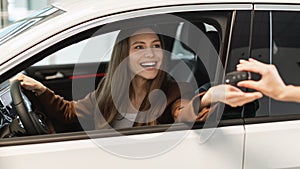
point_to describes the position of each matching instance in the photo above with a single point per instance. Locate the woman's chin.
(148, 75)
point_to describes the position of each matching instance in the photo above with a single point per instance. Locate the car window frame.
(268, 8)
(72, 32)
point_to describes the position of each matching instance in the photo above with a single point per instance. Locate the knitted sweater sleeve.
(67, 111)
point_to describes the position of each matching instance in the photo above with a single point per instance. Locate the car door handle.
(58, 75)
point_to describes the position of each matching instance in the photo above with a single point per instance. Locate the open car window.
(74, 67)
(99, 47)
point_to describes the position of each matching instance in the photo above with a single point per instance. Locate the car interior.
(181, 44)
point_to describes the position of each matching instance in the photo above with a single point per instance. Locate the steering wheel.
(33, 121)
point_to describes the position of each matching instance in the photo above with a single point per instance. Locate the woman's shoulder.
(178, 89)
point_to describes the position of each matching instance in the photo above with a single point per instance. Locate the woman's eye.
(139, 47)
(157, 46)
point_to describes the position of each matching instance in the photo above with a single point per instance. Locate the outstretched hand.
(270, 83)
(230, 95)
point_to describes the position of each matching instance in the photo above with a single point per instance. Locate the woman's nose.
(149, 53)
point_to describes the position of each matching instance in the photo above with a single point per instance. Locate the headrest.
(214, 37)
(190, 35)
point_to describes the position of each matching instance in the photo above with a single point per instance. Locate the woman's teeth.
(148, 64)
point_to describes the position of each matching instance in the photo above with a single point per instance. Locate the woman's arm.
(56, 106)
(189, 110)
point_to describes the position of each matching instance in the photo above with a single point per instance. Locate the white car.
(67, 47)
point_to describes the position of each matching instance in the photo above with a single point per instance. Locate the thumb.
(26, 85)
(249, 84)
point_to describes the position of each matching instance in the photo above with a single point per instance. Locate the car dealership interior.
(13, 10)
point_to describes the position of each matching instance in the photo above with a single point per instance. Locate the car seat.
(191, 40)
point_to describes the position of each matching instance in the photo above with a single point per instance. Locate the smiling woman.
(138, 54)
(136, 90)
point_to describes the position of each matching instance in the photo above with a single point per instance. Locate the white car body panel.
(224, 149)
(273, 145)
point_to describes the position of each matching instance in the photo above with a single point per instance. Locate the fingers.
(240, 99)
(27, 85)
(26, 81)
(249, 66)
(233, 96)
(231, 88)
(236, 97)
(256, 62)
(30, 84)
(22, 79)
(19, 77)
(249, 84)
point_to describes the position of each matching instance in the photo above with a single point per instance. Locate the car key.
(236, 76)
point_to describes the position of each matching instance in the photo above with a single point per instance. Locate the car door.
(272, 137)
(217, 143)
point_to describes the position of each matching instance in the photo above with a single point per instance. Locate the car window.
(99, 47)
(240, 49)
(277, 45)
(74, 67)
(286, 55)
(260, 50)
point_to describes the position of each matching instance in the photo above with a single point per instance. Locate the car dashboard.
(7, 110)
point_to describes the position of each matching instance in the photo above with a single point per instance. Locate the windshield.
(20, 26)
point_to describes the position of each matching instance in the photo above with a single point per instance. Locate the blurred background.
(13, 10)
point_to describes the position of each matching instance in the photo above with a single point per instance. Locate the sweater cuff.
(46, 95)
(197, 102)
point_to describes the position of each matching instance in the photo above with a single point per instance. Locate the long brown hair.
(118, 79)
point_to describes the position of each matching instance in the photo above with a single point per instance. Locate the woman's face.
(145, 53)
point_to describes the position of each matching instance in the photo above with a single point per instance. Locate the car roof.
(110, 5)
(79, 11)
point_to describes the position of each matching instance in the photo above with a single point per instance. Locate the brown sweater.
(87, 111)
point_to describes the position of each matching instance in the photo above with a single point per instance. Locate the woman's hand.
(228, 94)
(30, 84)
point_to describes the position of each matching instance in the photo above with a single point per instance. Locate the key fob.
(234, 77)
